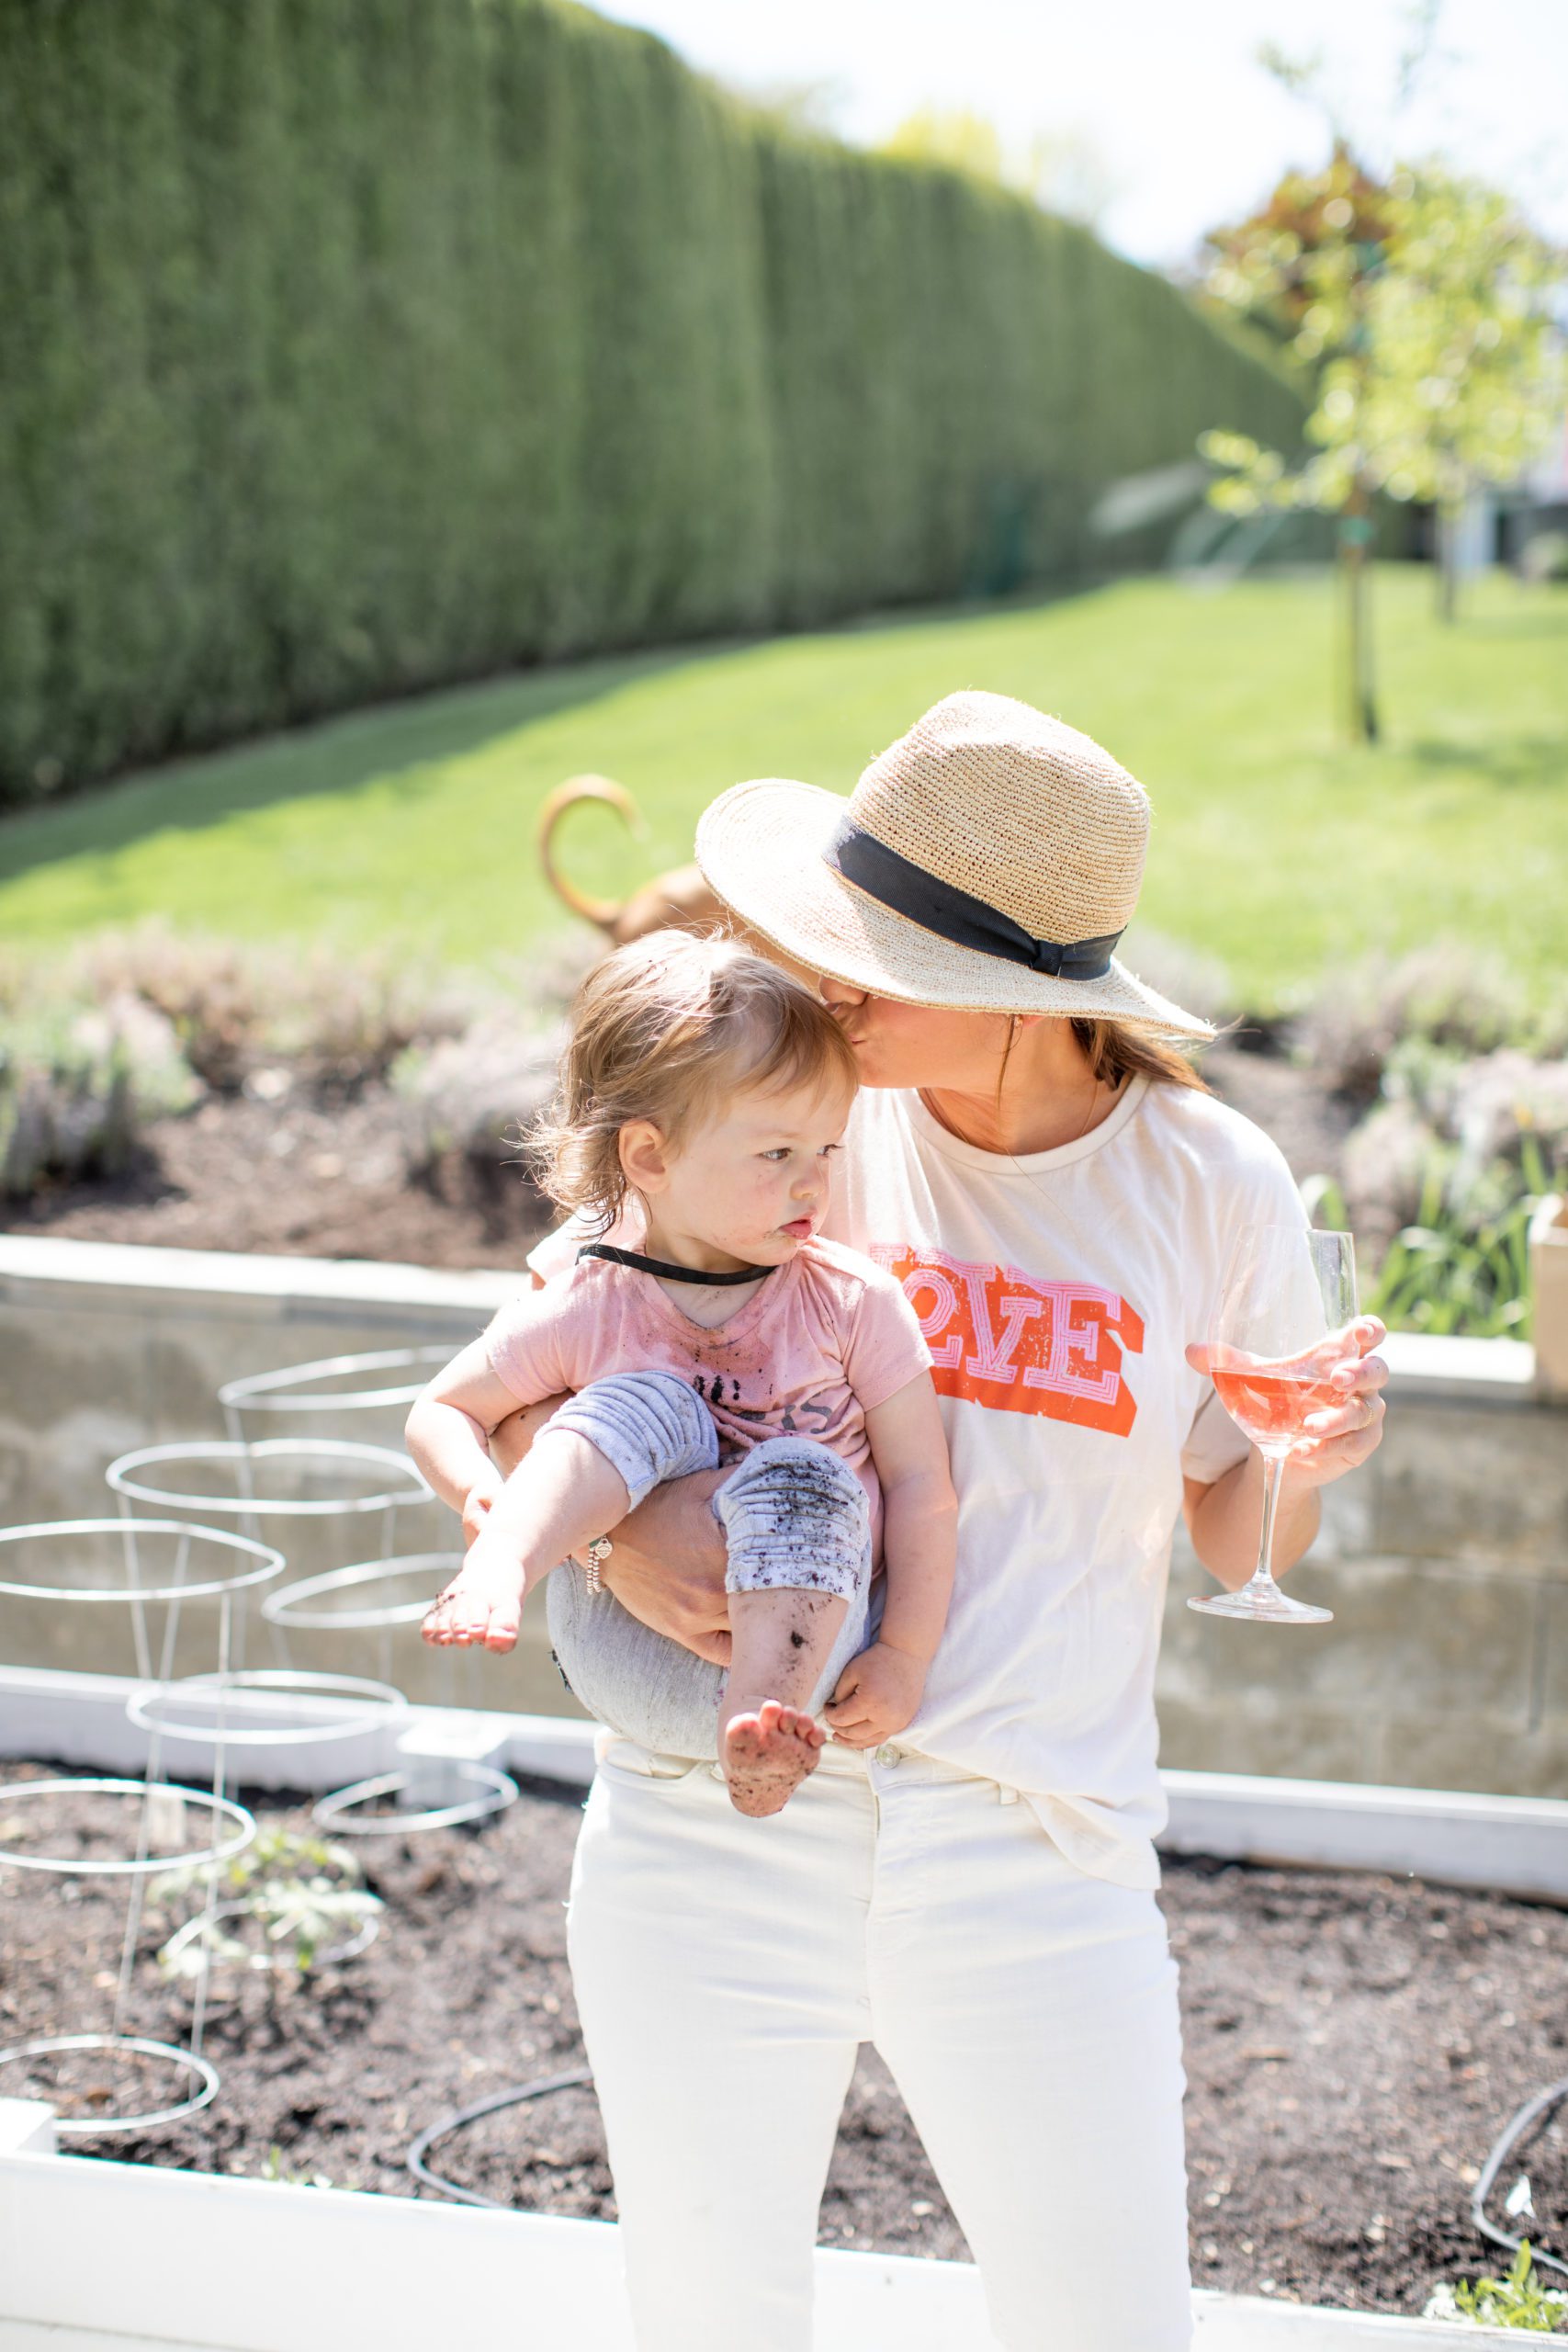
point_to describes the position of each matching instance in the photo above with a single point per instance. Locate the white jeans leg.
(1029, 2015)
(719, 1965)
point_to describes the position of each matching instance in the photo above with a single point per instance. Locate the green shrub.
(1461, 1267)
(339, 1021)
(77, 1085)
(357, 345)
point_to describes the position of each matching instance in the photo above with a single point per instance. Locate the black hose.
(464, 2115)
(1513, 2131)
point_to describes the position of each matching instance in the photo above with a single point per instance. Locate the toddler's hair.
(663, 1030)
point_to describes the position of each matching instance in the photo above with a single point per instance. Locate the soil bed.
(314, 1179)
(1354, 2044)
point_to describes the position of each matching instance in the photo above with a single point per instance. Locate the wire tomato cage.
(140, 1567)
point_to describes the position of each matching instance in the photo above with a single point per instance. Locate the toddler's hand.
(877, 1694)
(483, 1606)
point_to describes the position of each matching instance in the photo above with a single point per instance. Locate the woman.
(1056, 1192)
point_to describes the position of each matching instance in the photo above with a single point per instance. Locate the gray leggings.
(794, 1514)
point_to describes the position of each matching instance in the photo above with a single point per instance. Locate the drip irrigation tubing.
(466, 2115)
(1532, 2112)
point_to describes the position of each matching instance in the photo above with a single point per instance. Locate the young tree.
(1304, 269)
(1468, 377)
(1423, 311)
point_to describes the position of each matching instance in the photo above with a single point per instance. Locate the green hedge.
(349, 346)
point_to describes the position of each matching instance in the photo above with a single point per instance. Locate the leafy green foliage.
(277, 2168)
(303, 1893)
(357, 345)
(1518, 2301)
(1423, 314)
(77, 1084)
(1462, 1267)
(1424, 311)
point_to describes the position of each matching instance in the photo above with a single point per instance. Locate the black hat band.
(897, 882)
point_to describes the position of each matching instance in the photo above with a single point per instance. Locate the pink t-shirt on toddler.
(821, 1342)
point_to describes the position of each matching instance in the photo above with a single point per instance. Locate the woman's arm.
(1223, 1519)
(878, 1693)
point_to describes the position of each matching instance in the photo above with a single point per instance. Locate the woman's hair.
(1117, 1050)
(664, 1030)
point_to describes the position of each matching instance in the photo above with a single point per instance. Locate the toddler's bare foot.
(483, 1606)
(766, 1755)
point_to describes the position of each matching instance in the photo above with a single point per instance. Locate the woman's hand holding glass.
(1341, 1435)
(1293, 1364)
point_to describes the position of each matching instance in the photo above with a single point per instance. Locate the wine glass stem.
(1274, 1474)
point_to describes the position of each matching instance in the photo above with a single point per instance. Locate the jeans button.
(886, 1754)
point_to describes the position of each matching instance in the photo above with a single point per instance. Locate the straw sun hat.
(989, 861)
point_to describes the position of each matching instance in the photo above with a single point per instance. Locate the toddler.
(707, 1091)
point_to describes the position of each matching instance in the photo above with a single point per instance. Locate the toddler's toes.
(500, 1634)
(767, 1755)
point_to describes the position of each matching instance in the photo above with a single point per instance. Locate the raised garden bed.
(1354, 2043)
(304, 1178)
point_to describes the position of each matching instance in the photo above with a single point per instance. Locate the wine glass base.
(1263, 1605)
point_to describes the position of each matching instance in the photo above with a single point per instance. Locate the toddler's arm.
(879, 1692)
(449, 1432)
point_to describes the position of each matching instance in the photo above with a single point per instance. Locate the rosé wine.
(1271, 1402)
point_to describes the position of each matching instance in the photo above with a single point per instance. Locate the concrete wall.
(1446, 1560)
(104, 1348)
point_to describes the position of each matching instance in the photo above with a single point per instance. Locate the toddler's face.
(753, 1179)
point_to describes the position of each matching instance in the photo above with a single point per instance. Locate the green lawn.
(1275, 848)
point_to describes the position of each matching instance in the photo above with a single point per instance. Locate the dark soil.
(1354, 2045)
(312, 1180)
(295, 1179)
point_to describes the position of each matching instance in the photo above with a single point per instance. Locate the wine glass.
(1277, 1339)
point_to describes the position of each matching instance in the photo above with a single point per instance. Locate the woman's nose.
(837, 995)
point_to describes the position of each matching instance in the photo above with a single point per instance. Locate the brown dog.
(679, 901)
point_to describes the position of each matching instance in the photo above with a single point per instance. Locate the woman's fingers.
(1360, 1383)
(1358, 1412)
(1348, 1438)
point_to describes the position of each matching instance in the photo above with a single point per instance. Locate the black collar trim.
(668, 1274)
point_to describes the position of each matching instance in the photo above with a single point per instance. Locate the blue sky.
(1167, 92)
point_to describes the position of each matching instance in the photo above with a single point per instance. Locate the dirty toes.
(766, 1755)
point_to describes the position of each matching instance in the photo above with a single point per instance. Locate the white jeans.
(726, 1971)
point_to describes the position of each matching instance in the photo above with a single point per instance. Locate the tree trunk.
(1355, 539)
(1449, 518)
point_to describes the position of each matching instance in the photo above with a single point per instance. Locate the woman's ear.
(644, 1157)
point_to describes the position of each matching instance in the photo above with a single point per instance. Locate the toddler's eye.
(778, 1152)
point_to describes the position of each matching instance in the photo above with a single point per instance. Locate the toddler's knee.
(796, 1515)
(649, 1425)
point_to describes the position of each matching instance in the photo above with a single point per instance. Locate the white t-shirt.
(1058, 1292)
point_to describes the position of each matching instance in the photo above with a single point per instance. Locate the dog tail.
(603, 912)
